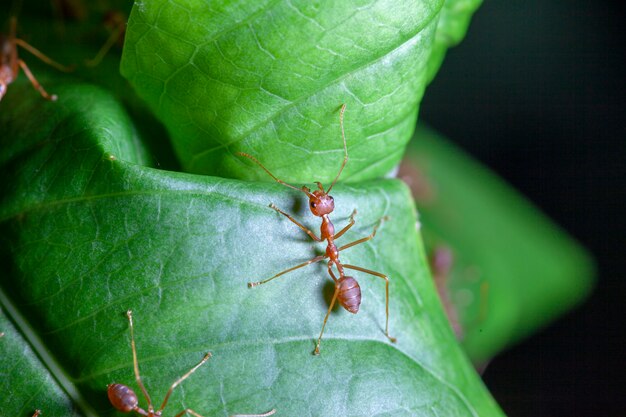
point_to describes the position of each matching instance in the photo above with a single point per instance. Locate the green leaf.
(89, 231)
(269, 77)
(25, 382)
(454, 20)
(513, 269)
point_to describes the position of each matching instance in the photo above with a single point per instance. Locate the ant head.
(122, 397)
(320, 202)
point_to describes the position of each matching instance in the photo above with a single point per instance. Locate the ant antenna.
(345, 148)
(129, 315)
(303, 189)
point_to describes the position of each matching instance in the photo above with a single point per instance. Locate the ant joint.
(253, 284)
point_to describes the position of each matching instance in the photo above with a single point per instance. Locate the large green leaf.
(512, 269)
(454, 20)
(25, 382)
(89, 231)
(268, 77)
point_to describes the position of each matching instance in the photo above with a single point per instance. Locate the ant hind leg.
(379, 275)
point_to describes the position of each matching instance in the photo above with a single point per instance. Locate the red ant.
(321, 204)
(10, 63)
(125, 400)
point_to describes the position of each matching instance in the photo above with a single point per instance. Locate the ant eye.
(331, 197)
(312, 204)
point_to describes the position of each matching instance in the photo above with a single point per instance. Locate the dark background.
(537, 92)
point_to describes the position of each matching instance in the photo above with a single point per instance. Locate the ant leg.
(348, 226)
(309, 262)
(193, 413)
(115, 35)
(41, 56)
(330, 272)
(37, 412)
(269, 413)
(378, 274)
(330, 308)
(365, 239)
(181, 379)
(190, 411)
(129, 314)
(35, 83)
(301, 226)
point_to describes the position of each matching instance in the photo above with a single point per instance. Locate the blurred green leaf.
(88, 230)
(269, 78)
(512, 270)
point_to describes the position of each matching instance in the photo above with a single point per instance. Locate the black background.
(537, 92)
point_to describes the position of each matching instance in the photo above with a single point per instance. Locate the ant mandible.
(10, 63)
(321, 204)
(125, 400)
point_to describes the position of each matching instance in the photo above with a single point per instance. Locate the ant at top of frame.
(322, 204)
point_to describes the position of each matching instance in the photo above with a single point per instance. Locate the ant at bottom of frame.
(125, 400)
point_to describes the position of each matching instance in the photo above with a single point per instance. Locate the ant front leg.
(300, 225)
(365, 239)
(181, 379)
(348, 226)
(190, 411)
(269, 413)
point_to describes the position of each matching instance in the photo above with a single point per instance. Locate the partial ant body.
(125, 400)
(10, 63)
(321, 204)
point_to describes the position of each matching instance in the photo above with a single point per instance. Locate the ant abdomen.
(349, 294)
(122, 397)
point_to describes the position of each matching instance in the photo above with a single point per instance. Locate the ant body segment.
(10, 63)
(125, 400)
(321, 204)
